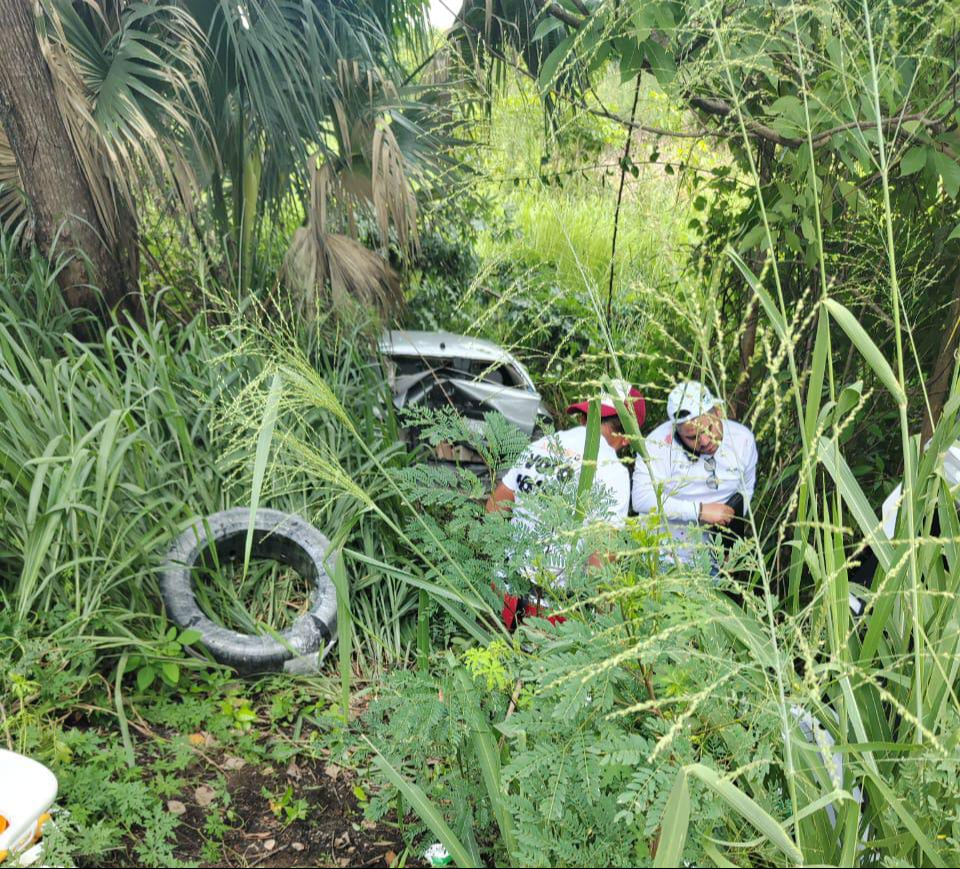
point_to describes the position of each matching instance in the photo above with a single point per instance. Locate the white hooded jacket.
(685, 480)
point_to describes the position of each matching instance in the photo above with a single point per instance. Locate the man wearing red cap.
(553, 463)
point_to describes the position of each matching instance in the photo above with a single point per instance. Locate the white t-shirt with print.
(557, 460)
(684, 478)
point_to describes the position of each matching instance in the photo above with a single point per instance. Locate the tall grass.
(103, 448)
(545, 246)
(108, 448)
(883, 686)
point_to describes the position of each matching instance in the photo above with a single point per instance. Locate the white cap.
(690, 399)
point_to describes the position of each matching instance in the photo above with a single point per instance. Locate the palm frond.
(321, 264)
(339, 270)
(127, 80)
(13, 205)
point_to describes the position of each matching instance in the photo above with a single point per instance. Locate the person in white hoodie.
(701, 473)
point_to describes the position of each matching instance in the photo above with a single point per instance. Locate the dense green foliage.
(785, 221)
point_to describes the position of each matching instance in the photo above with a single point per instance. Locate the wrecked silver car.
(471, 375)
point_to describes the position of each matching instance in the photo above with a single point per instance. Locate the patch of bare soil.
(267, 825)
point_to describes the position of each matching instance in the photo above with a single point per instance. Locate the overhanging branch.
(721, 108)
(560, 14)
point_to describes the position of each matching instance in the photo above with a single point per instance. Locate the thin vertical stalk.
(252, 168)
(616, 214)
(791, 357)
(816, 384)
(423, 631)
(909, 470)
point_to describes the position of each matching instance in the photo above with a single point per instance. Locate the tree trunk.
(938, 386)
(748, 343)
(65, 215)
(748, 340)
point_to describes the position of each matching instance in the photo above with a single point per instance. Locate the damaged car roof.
(471, 374)
(448, 345)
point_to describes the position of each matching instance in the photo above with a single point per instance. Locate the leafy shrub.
(591, 720)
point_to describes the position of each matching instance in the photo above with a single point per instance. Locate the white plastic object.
(27, 791)
(437, 855)
(30, 856)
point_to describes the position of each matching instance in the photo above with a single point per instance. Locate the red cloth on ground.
(530, 610)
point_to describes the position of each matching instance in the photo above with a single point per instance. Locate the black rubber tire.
(279, 536)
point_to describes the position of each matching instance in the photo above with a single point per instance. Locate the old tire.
(278, 536)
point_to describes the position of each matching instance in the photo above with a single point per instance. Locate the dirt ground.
(332, 831)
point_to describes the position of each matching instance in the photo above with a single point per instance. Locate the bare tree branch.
(721, 108)
(716, 107)
(560, 14)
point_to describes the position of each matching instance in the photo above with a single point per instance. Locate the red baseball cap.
(620, 390)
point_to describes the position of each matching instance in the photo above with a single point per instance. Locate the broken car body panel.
(470, 374)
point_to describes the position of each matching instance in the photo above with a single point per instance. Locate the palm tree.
(243, 108)
(56, 159)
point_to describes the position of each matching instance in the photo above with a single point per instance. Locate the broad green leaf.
(643, 21)
(662, 63)
(551, 66)
(664, 16)
(676, 820)
(949, 173)
(955, 233)
(546, 26)
(789, 105)
(145, 677)
(756, 236)
(631, 58)
(867, 349)
(914, 160)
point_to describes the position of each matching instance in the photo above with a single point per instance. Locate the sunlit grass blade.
(260, 459)
(591, 450)
(338, 574)
(865, 345)
(748, 809)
